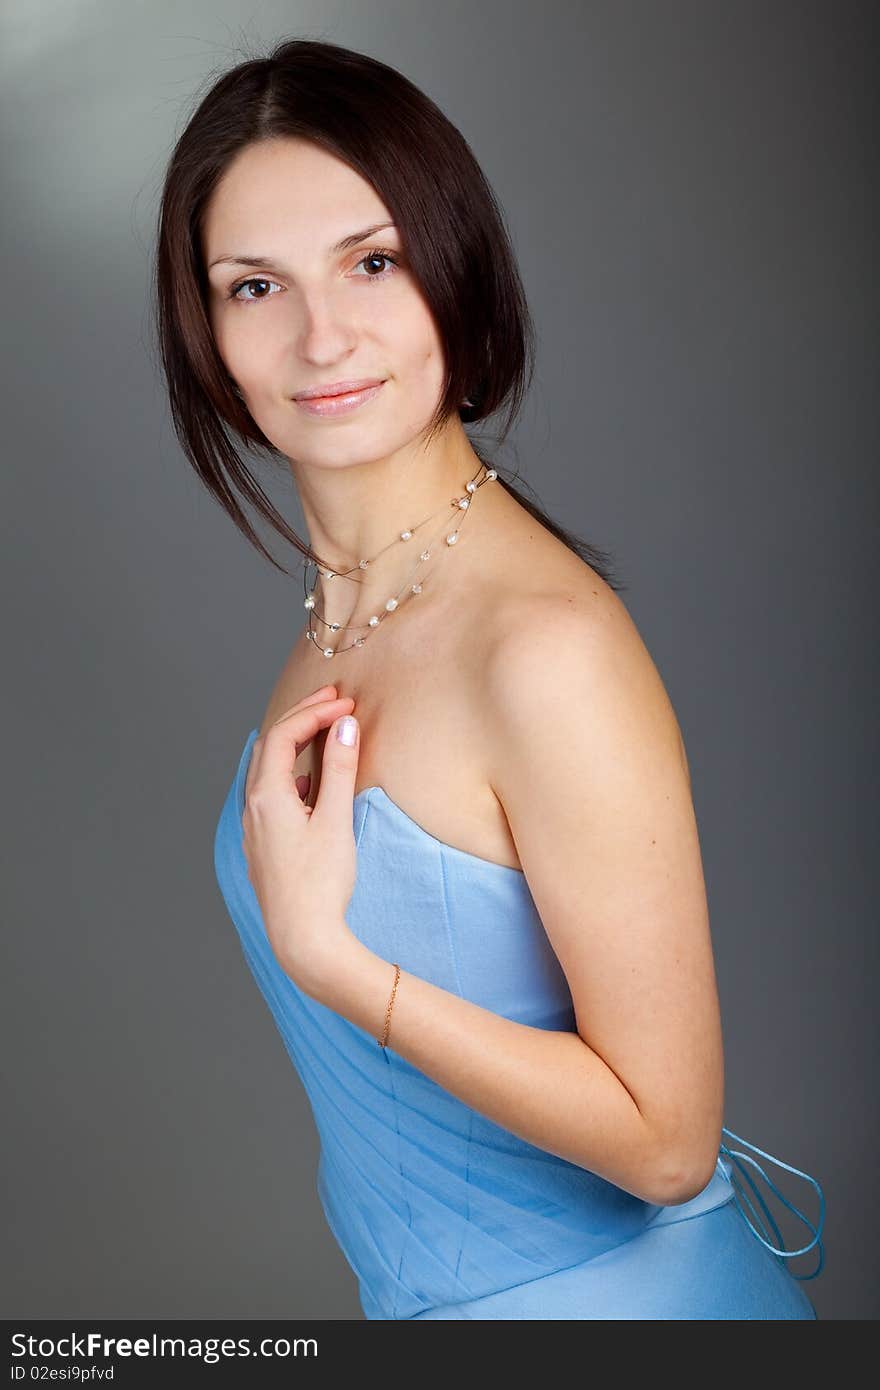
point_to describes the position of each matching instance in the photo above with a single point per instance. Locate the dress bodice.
(431, 1202)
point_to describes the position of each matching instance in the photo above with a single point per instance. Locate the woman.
(463, 829)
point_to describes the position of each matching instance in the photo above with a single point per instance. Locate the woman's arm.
(588, 762)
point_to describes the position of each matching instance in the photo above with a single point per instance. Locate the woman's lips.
(339, 405)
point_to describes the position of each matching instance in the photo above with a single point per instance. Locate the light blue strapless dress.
(440, 1212)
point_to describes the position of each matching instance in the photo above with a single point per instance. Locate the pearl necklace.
(458, 503)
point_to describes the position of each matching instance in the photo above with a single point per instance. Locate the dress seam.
(549, 1274)
(386, 1053)
(454, 958)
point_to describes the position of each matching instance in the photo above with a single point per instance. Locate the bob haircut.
(457, 247)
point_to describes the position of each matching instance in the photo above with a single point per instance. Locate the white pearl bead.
(309, 602)
(374, 621)
(359, 641)
(406, 535)
(417, 588)
(493, 473)
(362, 564)
(391, 605)
(334, 627)
(328, 651)
(452, 538)
(471, 487)
(464, 502)
(328, 574)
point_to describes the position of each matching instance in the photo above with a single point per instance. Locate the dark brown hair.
(457, 247)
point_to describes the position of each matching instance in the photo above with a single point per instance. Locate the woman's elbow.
(684, 1171)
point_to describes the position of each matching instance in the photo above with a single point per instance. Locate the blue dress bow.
(735, 1156)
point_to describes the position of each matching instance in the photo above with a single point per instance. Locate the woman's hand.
(302, 860)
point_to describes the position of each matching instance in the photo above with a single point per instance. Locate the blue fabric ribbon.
(735, 1155)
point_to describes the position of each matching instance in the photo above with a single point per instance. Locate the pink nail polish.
(346, 730)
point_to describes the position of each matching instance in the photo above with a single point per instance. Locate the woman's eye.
(377, 256)
(243, 284)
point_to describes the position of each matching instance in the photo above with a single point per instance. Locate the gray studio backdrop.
(688, 191)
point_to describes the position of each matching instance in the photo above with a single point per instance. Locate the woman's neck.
(361, 514)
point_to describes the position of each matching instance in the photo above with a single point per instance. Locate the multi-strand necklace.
(413, 585)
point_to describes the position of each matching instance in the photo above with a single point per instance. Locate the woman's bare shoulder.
(562, 633)
(554, 591)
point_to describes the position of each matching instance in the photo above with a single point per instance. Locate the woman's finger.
(325, 692)
(287, 736)
(339, 773)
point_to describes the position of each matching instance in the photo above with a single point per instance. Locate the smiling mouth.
(341, 403)
(339, 388)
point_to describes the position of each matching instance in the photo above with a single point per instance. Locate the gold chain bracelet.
(384, 1038)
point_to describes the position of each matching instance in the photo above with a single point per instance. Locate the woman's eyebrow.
(345, 244)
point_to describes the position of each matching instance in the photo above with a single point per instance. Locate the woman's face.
(307, 314)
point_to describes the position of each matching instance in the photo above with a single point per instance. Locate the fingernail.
(346, 730)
